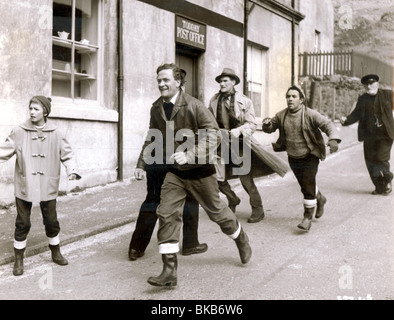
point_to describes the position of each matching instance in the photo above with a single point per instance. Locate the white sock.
(168, 248)
(20, 244)
(54, 241)
(310, 203)
(236, 233)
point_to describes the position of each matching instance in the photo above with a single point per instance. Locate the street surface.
(348, 253)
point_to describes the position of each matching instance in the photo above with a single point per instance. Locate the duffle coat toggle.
(37, 172)
(41, 138)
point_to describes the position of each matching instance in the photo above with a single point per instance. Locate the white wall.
(25, 71)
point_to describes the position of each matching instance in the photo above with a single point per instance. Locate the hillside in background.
(365, 26)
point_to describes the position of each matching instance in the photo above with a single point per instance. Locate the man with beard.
(374, 113)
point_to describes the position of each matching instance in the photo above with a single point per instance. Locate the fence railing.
(348, 63)
(325, 63)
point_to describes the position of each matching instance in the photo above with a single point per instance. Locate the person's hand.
(139, 173)
(333, 145)
(342, 120)
(266, 123)
(235, 132)
(72, 176)
(179, 157)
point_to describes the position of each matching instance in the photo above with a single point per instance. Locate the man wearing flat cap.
(374, 113)
(234, 113)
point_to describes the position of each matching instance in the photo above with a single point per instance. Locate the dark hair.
(302, 95)
(177, 72)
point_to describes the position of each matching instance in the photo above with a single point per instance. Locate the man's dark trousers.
(305, 171)
(377, 156)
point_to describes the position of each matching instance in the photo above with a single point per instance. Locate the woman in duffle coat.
(40, 149)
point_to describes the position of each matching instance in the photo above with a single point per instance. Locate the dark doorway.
(187, 59)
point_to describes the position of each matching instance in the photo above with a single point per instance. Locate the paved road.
(349, 252)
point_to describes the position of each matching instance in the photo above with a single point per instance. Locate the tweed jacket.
(243, 109)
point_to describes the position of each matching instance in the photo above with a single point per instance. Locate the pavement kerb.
(42, 247)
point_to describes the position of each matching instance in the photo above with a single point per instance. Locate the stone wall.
(26, 70)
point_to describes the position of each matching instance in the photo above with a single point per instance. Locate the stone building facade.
(97, 59)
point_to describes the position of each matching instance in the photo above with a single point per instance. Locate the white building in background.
(101, 72)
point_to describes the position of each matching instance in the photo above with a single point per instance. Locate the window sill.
(81, 110)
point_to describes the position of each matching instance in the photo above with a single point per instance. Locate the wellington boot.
(306, 223)
(388, 189)
(168, 277)
(18, 265)
(245, 251)
(321, 201)
(57, 256)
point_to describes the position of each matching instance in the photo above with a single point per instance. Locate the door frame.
(194, 54)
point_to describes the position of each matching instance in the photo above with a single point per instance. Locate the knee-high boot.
(168, 277)
(18, 264)
(307, 221)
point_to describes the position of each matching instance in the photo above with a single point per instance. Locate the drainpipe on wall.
(120, 89)
(245, 67)
(293, 45)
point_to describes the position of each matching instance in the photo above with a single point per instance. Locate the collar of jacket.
(381, 100)
(29, 126)
(239, 103)
(180, 102)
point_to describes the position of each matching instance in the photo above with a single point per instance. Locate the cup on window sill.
(63, 35)
(84, 41)
(67, 67)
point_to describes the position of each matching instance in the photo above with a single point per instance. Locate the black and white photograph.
(196, 156)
